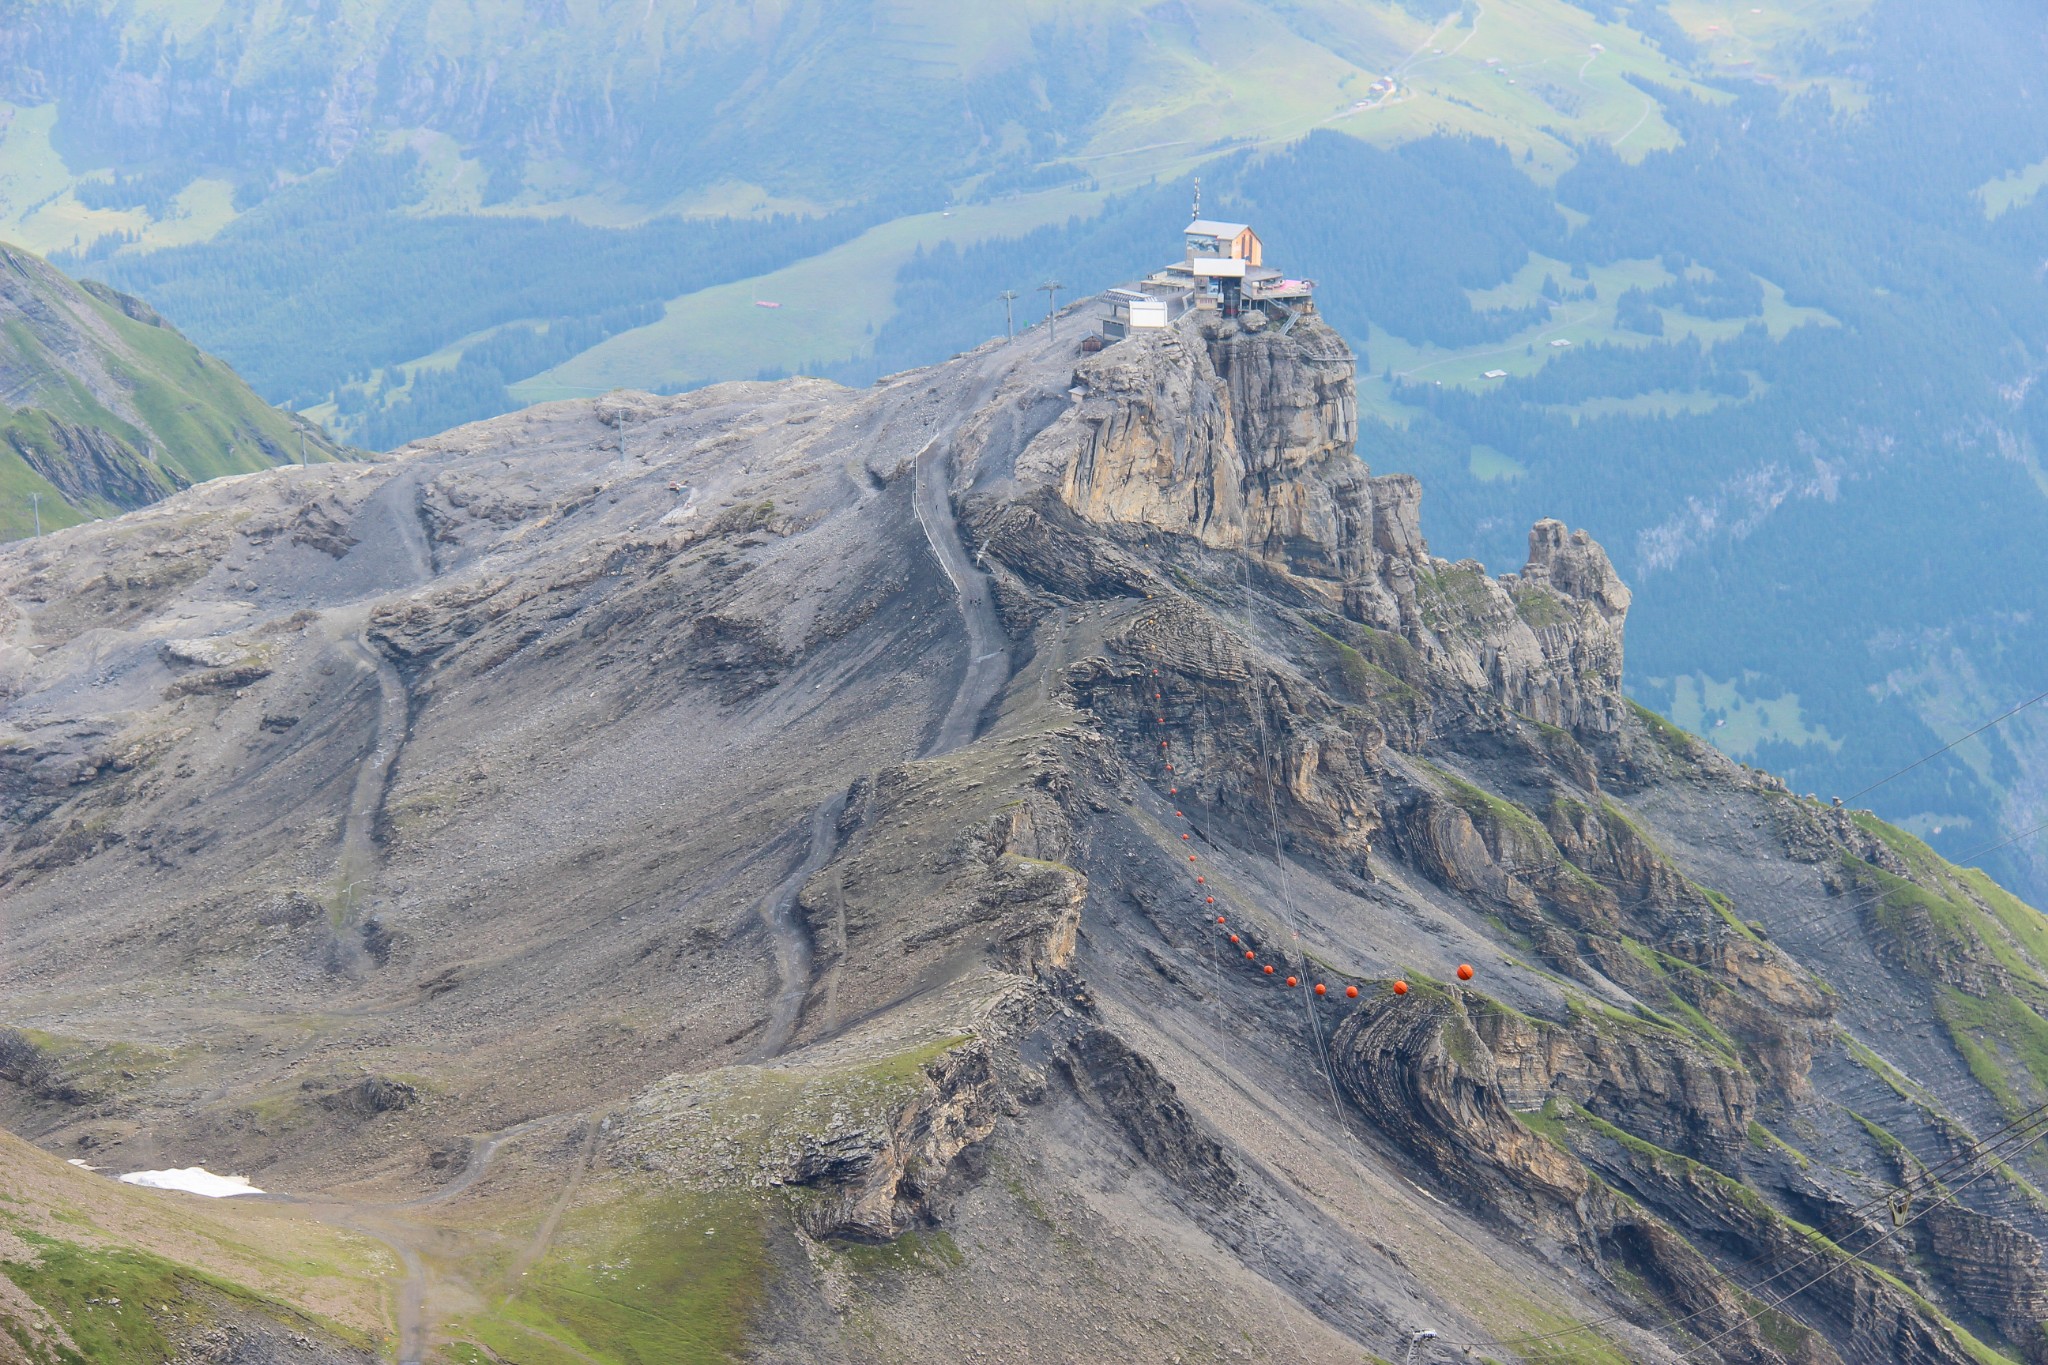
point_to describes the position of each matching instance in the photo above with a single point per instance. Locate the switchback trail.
(988, 648)
(792, 945)
(387, 1223)
(988, 669)
(358, 864)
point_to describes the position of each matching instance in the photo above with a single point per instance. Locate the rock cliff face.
(1247, 441)
(833, 845)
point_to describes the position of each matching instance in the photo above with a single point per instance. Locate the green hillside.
(92, 1270)
(105, 407)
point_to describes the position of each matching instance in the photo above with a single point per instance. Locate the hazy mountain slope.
(105, 407)
(740, 864)
(149, 143)
(813, 103)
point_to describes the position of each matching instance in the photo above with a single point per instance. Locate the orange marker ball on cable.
(1292, 982)
(1351, 992)
(1269, 969)
(1212, 901)
(1233, 939)
(1183, 836)
(1321, 989)
(1249, 955)
(1464, 971)
(1201, 879)
(1400, 988)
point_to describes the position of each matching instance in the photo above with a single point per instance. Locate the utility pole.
(1051, 290)
(302, 447)
(35, 501)
(1009, 297)
(1424, 1335)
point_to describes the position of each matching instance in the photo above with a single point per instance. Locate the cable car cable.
(1931, 1175)
(1267, 779)
(1886, 1235)
(1995, 720)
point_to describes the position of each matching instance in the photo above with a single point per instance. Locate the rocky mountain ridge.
(775, 838)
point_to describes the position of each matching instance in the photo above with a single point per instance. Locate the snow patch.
(193, 1180)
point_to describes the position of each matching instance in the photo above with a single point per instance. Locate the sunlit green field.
(830, 303)
(1576, 323)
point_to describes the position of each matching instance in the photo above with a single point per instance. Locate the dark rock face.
(369, 1097)
(90, 466)
(581, 784)
(1129, 1091)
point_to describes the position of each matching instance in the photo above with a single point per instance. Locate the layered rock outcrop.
(1246, 441)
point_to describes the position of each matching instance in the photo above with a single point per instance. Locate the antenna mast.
(1198, 200)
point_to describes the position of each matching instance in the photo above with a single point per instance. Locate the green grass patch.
(1540, 607)
(169, 412)
(1738, 724)
(121, 1305)
(1677, 741)
(1368, 682)
(915, 1252)
(2014, 189)
(1762, 1137)
(1667, 969)
(1488, 465)
(1453, 596)
(2004, 1042)
(642, 1281)
(1487, 809)
(1548, 1122)
(1902, 1085)
(1886, 1140)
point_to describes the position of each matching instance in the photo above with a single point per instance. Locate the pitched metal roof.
(1204, 227)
